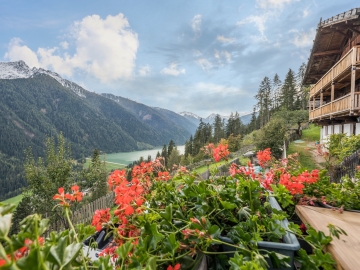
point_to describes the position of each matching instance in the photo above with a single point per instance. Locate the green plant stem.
(215, 253)
(75, 234)
(231, 245)
(40, 258)
(178, 257)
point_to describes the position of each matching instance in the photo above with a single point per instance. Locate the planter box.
(288, 248)
(102, 242)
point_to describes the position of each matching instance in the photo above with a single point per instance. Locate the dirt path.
(319, 160)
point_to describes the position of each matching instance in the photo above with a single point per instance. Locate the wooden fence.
(84, 214)
(347, 167)
(223, 170)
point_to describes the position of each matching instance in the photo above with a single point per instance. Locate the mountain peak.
(14, 70)
(190, 114)
(20, 70)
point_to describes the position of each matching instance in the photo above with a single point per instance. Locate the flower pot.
(287, 248)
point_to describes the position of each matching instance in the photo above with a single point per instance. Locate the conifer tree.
(302, 90)
(218, 129)
(170, 147)
(288, 93)
(276, 92)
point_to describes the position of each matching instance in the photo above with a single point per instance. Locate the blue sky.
(201, 56)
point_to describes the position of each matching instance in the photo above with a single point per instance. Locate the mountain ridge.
(37, 103)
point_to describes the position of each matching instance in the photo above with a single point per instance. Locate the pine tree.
(170, 147)
(237, 125)
(230, 125)
(164, 154)
(276, 92)
(218, 129)
(264, 102)
(302, 90)
(288, 93)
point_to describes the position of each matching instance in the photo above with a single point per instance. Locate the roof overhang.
(331, 36)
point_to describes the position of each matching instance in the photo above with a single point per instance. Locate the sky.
(203, 56)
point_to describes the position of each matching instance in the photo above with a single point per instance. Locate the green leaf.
(62, 255)
(168, 213)
(124, 250)
(322, 259)
(228, 205)
(6, 208)
(151, 264)
(30, 261)
(214, 231)
(278, 259)
(5, 224)
(153, 234)
(171, 244)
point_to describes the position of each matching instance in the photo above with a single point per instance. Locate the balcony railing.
(352, 57)
(339, 106)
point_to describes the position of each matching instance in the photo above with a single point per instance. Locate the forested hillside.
(33, 108)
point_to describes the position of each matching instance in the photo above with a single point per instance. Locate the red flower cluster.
(66, 198)
(263, 156)
(236, 169)
(220, 152)
(295, 184)
(101, 216)
(163, 176)
(176, 267)
(23, 251)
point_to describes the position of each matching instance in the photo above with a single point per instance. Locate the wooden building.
(333, 70)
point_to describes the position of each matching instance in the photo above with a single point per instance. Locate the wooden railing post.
(353, 77)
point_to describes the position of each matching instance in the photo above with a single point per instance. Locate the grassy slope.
(109, 166)
(309, 136)
(14, 200)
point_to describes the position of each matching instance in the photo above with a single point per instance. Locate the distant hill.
(36, 103)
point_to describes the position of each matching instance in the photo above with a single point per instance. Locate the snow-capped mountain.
(245, 118)
(20, 70)
(211, 117)
(189, 114)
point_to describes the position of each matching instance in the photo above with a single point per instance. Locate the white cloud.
(275, 4)
(305, 12)
(259, 22)
(225, 40)
(213, 89)
(64, 45)
(196, 24)
(203, 63)
(17, 52)
(303, 39)
(105, 48)
(144, 70)
(227, 55)
(221, 56)
(173, 70)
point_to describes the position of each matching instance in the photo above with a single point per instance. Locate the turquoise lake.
(126, 158)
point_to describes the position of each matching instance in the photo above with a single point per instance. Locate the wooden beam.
(326, 53)
(354, 30)
(345, 35)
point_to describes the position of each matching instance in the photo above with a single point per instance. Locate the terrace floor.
(345, 250)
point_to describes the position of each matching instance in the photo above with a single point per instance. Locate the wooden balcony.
(339, 70)
(341, 106)
(338, 91)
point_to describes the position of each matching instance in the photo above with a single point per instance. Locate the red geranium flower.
(176, 267)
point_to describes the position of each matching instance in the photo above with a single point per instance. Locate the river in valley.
(125, 158)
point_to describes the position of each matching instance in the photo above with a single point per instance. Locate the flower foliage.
(170, 222)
